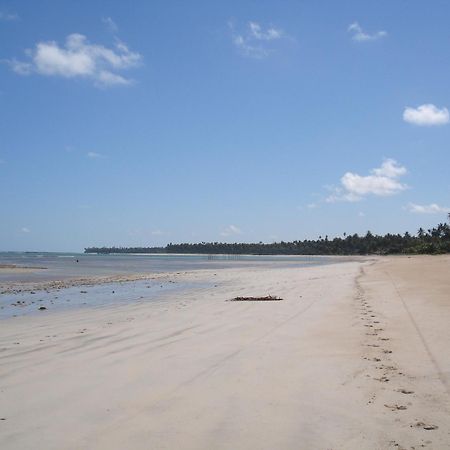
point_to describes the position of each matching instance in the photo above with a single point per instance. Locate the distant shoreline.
(432, 241)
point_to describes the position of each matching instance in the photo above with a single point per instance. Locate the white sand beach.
(355, 356)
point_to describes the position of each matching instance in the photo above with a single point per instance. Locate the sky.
(144, 123)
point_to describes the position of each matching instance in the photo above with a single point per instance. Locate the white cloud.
(94, 155)
(25, 230)
(382, 182)
(79, 58)
(110, 24)
(312, 205)
(361, 36)
(20, 67)
(432, 208)
(157, 233)
(231, 230)
(252, 42)
(7, 17)
(426, 115)
(259, 34)
(390, 168)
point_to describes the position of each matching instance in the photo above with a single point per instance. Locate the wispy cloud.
(426, 115)
(231, 230)
(432, 208)
(382, 182)
(8, 17)
(110, 24)
(94, 155)
(25, 230)
(359, 35)
(253, 40)
(78, 58)
(157, 232)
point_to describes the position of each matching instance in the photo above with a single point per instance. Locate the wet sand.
(355, 356)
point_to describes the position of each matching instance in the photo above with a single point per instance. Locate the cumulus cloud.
(432, 208)
(426, 115)
(382, 181)
(252, 41)
(78, 58)
(390, 168)
(231, 230)
(358, 34)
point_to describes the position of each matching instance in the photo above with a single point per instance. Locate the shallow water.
(89, 296)
(31, 289)
(62, 266)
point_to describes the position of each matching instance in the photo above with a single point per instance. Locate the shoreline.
(92, 268)
(354, 357)
(13, 286)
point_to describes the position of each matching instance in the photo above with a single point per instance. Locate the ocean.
(62, 266)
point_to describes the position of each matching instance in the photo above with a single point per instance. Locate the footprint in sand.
(387, 351)
(398, 446)
(396, 407)
(382, 379)
(424, 425)
(385, 367)
(405, 391)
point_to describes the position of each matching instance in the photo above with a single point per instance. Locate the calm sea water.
(61, 266)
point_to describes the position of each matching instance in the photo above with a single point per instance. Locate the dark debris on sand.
(267, 298)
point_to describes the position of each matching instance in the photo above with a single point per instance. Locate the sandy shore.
(356, 356)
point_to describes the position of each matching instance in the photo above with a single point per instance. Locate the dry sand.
(322, 369)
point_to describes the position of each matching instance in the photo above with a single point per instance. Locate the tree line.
(433, 241)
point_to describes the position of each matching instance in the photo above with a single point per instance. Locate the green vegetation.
(433, 241)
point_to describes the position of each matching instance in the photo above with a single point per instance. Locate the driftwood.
(268, 298)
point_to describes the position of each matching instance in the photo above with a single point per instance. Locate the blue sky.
(173, 121)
